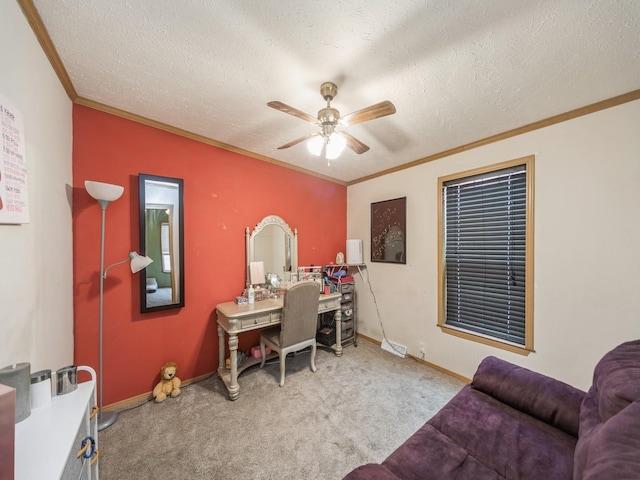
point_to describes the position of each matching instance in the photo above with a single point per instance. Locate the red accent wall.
(224, 192)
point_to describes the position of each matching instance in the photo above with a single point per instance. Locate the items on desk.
(338, 274)
(251, 295)
(311, 273)
(40, 388)
(343, 279)
(259, 293)
(66, 379)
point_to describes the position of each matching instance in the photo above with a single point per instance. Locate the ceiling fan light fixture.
(328, 119)
(335, 146)
(315, 144)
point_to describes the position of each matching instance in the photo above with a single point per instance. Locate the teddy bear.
(169, 384)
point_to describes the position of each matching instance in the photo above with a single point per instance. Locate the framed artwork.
(389, 231)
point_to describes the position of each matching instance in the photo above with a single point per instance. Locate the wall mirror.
(161, 239)
(274, 243)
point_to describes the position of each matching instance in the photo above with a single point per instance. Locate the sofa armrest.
(542, 397)
(370, 471)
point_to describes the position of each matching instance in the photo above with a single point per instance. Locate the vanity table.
(273, 243)
(234, 319)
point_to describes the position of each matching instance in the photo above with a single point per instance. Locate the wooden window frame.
(467, 334)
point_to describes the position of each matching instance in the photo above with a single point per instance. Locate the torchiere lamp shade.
(103, 191)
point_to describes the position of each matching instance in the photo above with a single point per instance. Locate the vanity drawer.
(329, 305)
(252, 321)
(347, 325)
(346, 288)
(347, 297)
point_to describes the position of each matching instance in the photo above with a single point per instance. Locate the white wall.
(36, 295)
(587, 248)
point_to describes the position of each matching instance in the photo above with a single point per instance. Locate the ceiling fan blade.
(297, 141)
(353, 143)
(283, 107)
(378, 110)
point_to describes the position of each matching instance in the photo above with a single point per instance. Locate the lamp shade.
(103, 191)
(315, 145)
(335, 146)
(138, 262)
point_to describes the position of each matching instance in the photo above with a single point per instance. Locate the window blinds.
(485, 233)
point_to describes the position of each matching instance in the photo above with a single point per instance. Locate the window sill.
(475, 337)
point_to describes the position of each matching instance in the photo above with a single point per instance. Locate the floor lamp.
(106, 193)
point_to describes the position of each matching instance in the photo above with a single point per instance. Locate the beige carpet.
(353, 410)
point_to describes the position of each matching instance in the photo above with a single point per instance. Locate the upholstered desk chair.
(298, 325)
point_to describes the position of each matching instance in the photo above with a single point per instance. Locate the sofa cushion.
(431, 455)
(542, 397)
(609, 443)
(476, 436)
(611, 450)
(616, 379)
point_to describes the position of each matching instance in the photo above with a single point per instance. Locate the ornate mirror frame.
(250, 239)
(163, 241)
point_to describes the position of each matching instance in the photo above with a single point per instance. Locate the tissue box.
(255, 351)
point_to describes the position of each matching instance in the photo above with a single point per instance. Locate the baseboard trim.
(145, 397)
(420, 360)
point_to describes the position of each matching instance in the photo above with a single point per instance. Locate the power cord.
(375, 301)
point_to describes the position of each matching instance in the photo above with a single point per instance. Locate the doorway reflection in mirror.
(161, 238)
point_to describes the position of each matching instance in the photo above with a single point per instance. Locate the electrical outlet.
(422, 351)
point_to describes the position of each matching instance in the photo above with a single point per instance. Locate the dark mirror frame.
(142, 179)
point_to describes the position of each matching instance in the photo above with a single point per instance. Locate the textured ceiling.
(457, 71)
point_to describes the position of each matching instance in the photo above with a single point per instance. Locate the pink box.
(255, 351)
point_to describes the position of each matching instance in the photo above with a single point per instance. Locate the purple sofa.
(513, 423)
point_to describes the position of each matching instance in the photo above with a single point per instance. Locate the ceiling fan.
(328, 139)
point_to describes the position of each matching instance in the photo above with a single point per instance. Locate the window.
(486, 255)
(165, 242)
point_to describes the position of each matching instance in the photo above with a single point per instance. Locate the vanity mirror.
(274, 243)
(162, 239)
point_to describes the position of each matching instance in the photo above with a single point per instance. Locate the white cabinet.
(48, 441)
